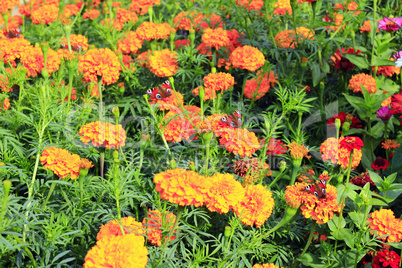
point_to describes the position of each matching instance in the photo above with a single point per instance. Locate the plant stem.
(49, 194)
(100, 98)
(310, 238)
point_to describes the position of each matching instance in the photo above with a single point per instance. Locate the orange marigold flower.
(14, 22)
(103, 134)
(224, 194)
(65, 54)
(351, 6)
(100, 62)
(118, 251)
(163, 63)
(77, 41)
(182, 187)
(124, 15)
(250, 4)
(388, 70)
(359, 80)
(218, 81)
(112, 228)
(7, 5)
(4, 81)
(186, 20)
(282, 7)
(390, 144)
(130, 44)
(298, 151)
(290, 38)
(154, 224)
(296, 195)
(5, 104)
(12, 49)
(70, 10)
(344, 156)
(257, 87)
(338, 21)
(182, 43)
(141, 6)
(329, 150)
(149, 30)
(238, 141)
(366, 27)
(61, 162)
(32, 58)
(45, 14)
(384, 222)
(256, 206)
(211, 21)
(180, 125)
(91, 14)
(247, 57)
(216, 38)
(143, 58)
(85, 164)
(265, 265)
(172, 102)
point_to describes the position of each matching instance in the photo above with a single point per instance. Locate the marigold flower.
(130, 44)
(163, 63)
(337, 21)
(296, 195)
(341, 62)
(390, 144)
(65, 54)
(154, 224)
(85, 164)
(179, 125)
(290, 38)
(250, 4)
(77, 41)
(209, 93)
(211, 21)
(218, 81)
(247, 57)
(112, 228)
(351, 6)
(257, 87)
(390, 24)
(256, 206)
(11, 49)
(91, 14)
(45, 15)
(124, 15)
(252, 167)
(306, 175)
(149, 30)
(14, 22)
(182, 43)
(282, 7)
(118, 251)
(172, 102)
(32, 58)
(275, 147)
(388, 70)
(4, 81)
(182, 187)
(186, 20)
(5, 104)
(107, 22)
(265, 265)
(70, 10)
(103, 134)
(100, 63)
(238, 141)
(359, 80)
(141, 6)
(366, 27)
(224, 194)
(386, 258)
(384, 222)
(216, 38)
(7, 5)
(61, 162)
(298, 151)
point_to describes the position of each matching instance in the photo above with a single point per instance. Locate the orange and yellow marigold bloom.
(172, 102)
(247, 57)
(163, 63)
(215, 38)
(46, 14)
(359, 80)
(103, 134)
(265, 265)
(384, 223)
(112, 228)
(155, 222)
(77, 42)
(61, 162)
(282, 7)
(149, 30)
(238, 141)
(257, 87)
(130, 44)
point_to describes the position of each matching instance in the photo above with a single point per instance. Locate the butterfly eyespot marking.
(158, 96)
(315, 193)
(167, 82)
(169, 91)
(224, 119)
(232, 124)
(308, 187)
(149, 91)
(239, 120)
(324, 192)
(323, 182)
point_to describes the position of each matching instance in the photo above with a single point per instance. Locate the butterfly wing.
(233, 120)
(317, 189)
(160, 92)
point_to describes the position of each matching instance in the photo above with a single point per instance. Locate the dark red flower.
(362, 179)
(355, 122)
(341, 62)
(368, 258)
(386, 258)
(351, 143)
(274, 147)
(380, 163)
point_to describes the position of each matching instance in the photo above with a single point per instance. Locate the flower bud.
(6, 187)
(345, 127)
(282, 166)
(116, 112)
(228, 231)
(172, 164)
(338, 124)
(45, 73)
(191, 165)
(192, 36)
(171, 80)
(201, 92)
(303, 62)
(213, 69)
(83, 172)
(115, 154)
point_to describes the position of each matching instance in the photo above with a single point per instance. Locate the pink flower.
(392, 24)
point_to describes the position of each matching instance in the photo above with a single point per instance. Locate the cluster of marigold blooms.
(122, 243)
(221, 193)
(103, 135)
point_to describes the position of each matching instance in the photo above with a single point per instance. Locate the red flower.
(351, 143)
(343, 116)
(386, 258)
(274, 147)
(341, 62)
(396, 104)
(380, 163)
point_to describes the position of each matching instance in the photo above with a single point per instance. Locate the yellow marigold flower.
(218, 81)
(100, 62)
(103, 134)
(70, 10)
(61, 162)
(77, 42)
(163, 63)
(178, 126)
(388, 70)
(359, 80)
(129, 44)
(298, 151)
(224, 194)
(112, 228)
(257, 87)
(296, 195)
(256, 206)
(123, 15)
(91, 14)
(172, 102)
(238, 141)
(390, 144)
(85, 164)
(118, 251)
(265, 265)
(344, 156)
(7, 5)
(141, 6)
(247, 57)
(329, 150)
(384, 222)
(282, 7)
(290, 38)
(216, 38)
(12, 49)
(182, 187)
(45, 14)
(149, 30)
(154, 224)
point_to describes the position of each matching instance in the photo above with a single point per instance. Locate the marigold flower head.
(124, 15)
(11, 49)
(5, 104)
(186, 20)
(154, 224)
(298, 151)
(290, 38)
(359, 80)
(14, 22)
(66, 55)
(182, 187)
(77, 41)
(275, 147)
(118, 251)
(130, 44)
(218, 81)
(388, 71)
(384, 222)
(366, 27)
(250, 4)
(256, 206)
(112, 228)
(282, 7)
(172, 102)
(386, 258)
(163, 63)
(265, 265)
(211, 21)
(338, 20)
(91, 14)
(224, 194)
(351, 6)
(247, 57)
(390, 144)
(257, 87)
(252, 167)
(100, 63)
(61, 162)
(179, 125)
(85, 164)
(45, 15)
(141, 6)
(103, 134)
(32, 58)
(70, 10)
(216, 38)
(238, 141)
(149, 30)
(6, 5)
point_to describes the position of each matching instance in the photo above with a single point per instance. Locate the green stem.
(349, 168)
(81, 182)
(208, 141)
(296, 166)
(310, 238)
(49, 194)
(100, 98)
(246, 72)
(276, 179)
(102, 159)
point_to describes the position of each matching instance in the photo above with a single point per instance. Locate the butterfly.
(160, 92)
(318, 189)
(74, 48)
(233, 120)
(12, 33)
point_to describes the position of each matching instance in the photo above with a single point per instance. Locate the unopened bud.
(116, 111)
(191, 165)
(303, 62)
(228, 231)
(338, 124)
(282, 166)
(6, 187)
(172, 164)
(115, 154)
(346, 126)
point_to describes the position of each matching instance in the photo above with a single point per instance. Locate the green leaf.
(395, 245)
(396, 163)
(376, 179)
(357, 60)
(348, 237)
(377, 61)
(376, 202)
(342, 193)
(356, 217)
(311, 260)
